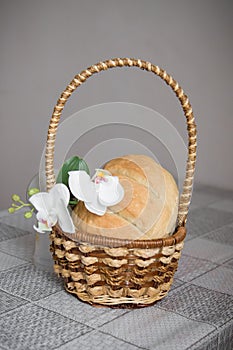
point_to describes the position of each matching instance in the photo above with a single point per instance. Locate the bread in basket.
(148, 209)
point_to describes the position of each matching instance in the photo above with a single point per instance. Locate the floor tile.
(8, 261)
(210, 342)
(229, 264)
(208, 250)
(190, 267)
(9, 232)
(99, 341)
(219, 279)
(225, 336)
(68, 305)
(21, 247)
(222, 235)
(18, 220)
(176, 283)
(203, 196)
(200, 304)
(203, 220)
(9, 302)
(32, 327)
(154, 328)
(30, 282)
(225, 204)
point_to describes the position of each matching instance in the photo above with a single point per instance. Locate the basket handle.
(185, 196)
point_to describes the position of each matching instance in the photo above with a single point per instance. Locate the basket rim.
(97, 240)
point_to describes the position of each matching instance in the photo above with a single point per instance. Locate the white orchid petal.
(121, 193)
(41, 201)
(81, 185)
(96, 207)
(41, 215)
(42, 228)
(52, 207)
(64, 218)
(110, 192)
(52, 218)
(37, 229)
(59, 191)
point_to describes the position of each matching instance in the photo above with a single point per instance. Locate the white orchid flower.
(52, 208)
(98, 193)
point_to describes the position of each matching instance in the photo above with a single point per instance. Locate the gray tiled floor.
(29, 282)
(219, 279)
(208, 250)
(37, 313)
(6, 231)
(191, 267)
(77, 311)
(202, 221)
(7, 261)
(200, 304)
(9, 302)
(21, 247)
(229, 264)
(32, 327)
(150, 328)
(210, 342)
(206, 195)
(100, 340)
(225, 204)
(222, 235)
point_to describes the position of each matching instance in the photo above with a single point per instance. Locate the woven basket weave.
(116, 272)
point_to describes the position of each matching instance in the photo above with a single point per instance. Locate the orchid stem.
(17, 207)
(23, 204)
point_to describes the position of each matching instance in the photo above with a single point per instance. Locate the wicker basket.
(116, 272)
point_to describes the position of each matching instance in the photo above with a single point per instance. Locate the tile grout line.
(26, 299)
(229, 224)
(69, 341)
(203, 338)
(125, 341)
(20, 236)
(213, 290)
(35, 302)
(197, 258)
(217, 331)
(202, 274)
(71, 319)
(188, 318)
(52, 311)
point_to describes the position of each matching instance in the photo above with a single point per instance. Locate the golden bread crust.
(149, 207)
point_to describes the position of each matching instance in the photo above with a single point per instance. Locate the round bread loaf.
(149, 207)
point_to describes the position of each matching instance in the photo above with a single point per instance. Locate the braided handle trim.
(79, 79)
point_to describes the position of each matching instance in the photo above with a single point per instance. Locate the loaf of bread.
(149, 207)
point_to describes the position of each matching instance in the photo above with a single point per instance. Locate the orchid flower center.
(100, 176)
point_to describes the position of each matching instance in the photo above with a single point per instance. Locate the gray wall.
(45, 43)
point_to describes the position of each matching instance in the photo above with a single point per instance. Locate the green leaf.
(73, 202)
(73, 163)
